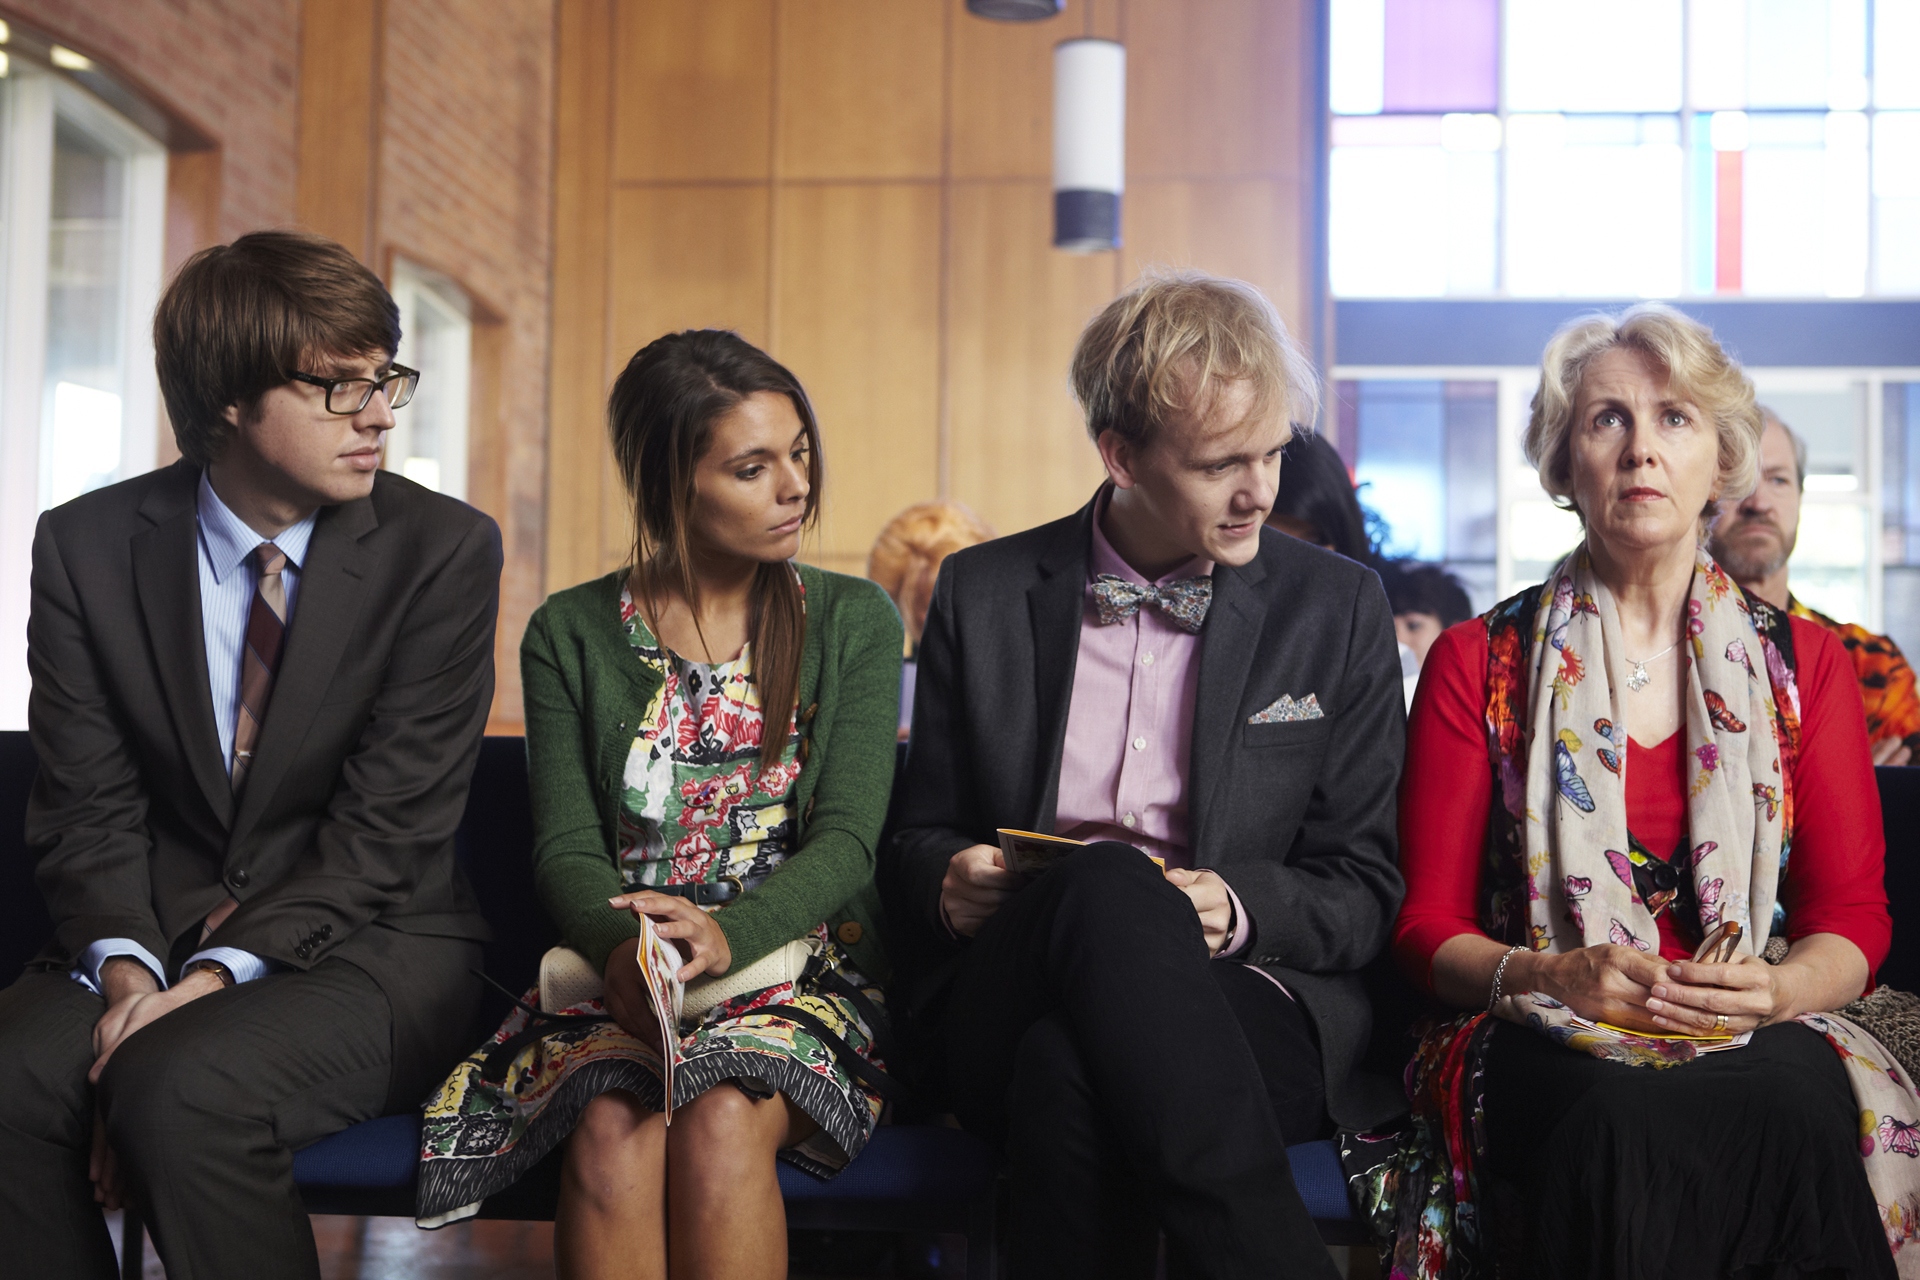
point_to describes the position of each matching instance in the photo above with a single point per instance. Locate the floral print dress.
(695, 808)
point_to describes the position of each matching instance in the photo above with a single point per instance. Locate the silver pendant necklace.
(1639, 679)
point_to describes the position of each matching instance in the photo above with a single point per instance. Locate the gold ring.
(1720, 1022)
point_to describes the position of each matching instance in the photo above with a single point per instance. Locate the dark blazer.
(344, 831)
(1298, 817)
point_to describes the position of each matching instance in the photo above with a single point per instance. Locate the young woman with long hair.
(710, 737)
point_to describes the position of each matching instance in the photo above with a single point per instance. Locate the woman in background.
(710, 740)
(1316, 502)
(906, 559)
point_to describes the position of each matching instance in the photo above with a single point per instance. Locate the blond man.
(1165, 678)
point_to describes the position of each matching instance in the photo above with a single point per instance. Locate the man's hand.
(134, 999)
(692, 930)
(976, 883)
(1892, 751)
(1208, 893)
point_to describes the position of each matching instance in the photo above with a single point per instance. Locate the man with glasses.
(260, 677)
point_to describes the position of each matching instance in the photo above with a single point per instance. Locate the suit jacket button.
(849, 933)
(238, 877)
(806, 815)
(303, 951)
(326, 931)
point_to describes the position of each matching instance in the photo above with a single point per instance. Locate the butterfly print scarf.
(1570, 784)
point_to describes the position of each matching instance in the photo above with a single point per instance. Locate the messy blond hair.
(1158, 353)
(907, 555)
(1697, 368)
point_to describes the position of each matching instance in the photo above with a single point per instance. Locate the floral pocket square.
(1287, 709)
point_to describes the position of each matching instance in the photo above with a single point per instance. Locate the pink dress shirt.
(1123, 773)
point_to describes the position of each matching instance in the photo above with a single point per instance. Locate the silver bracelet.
(1500, 972)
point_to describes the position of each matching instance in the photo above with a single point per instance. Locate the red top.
(1834, 881)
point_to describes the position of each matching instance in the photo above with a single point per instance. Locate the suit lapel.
(1056, 602)
(166, 577)
(1228, 644)
(331, 585)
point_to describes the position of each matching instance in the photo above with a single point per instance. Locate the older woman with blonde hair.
(1643, 855)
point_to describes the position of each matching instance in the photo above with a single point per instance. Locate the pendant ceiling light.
(1014, 10)
(1089, 143)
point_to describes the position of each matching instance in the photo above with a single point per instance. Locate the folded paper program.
(1287, 709)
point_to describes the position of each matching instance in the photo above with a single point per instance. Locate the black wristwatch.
(218, 970)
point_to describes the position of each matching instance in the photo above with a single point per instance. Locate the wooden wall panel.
(685, 258)
(1249, 229)
(857, 318)
(862, 186)
(680, 258)
(1020, 453)
(339, 121)
(693, 96)
(859, 89)
(577, 457)
(1000, 99)
(1213, 88)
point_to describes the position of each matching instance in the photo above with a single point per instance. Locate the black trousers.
(204, 1109)
(1133, 1083)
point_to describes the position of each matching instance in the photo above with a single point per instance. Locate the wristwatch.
(218, 970)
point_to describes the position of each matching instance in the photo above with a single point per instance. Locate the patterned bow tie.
(1184, 601)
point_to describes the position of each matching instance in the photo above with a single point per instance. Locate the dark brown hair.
(239, 317)
(661, 414)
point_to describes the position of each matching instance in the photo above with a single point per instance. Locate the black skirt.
(1743, 1163)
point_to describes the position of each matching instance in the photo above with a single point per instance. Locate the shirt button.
(1139, 744)
(1127, 821)
(1146, 660)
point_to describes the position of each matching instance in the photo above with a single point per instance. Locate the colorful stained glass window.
(1589, 149)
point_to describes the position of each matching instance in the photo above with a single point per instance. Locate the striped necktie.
(260, 656)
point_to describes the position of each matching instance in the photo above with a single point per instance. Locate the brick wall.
(461, 182)
(229, 66)
(464, 187)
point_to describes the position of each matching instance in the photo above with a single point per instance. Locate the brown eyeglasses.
(348, 396)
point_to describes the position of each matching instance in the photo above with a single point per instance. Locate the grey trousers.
(204, 1109)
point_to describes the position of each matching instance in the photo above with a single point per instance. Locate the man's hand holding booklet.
(1028, 853)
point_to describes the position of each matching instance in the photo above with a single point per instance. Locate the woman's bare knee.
(724, 1134)
(617, 1149)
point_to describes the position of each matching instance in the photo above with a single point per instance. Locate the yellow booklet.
(1725, 1040)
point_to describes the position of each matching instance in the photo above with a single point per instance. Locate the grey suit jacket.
(1298, 817)
(343, 834)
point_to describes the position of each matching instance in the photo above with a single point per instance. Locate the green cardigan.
(585, 692)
